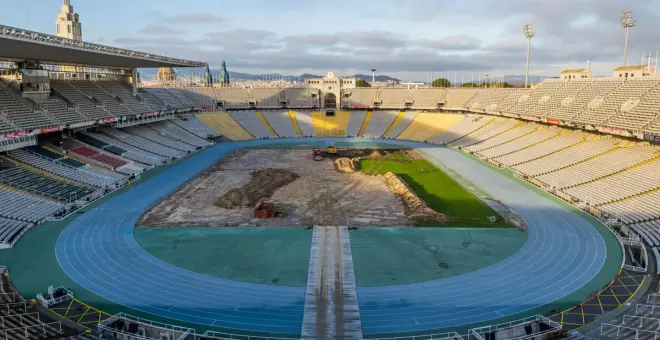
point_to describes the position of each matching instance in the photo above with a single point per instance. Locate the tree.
(441, 82)
(362, 83)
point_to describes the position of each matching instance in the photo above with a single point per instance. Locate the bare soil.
(320, 196)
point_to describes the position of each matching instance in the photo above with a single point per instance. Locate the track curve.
(563, 252)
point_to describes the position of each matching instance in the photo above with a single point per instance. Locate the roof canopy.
(20, 44)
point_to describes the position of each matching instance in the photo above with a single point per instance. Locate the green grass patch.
(441, 192)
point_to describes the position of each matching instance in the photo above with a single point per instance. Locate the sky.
(408, 39)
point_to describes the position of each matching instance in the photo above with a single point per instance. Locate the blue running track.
(563, 252)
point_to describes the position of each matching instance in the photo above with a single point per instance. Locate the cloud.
(195, 18)
(155, 29)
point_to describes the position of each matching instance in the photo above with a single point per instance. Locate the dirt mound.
(375, 154)
(345, 165)
(263, 184)
(414, 207)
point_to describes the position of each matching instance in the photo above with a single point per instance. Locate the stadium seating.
(24, 208)
(175, 132)
(301, 97)
(155, 136)
(193, 125)
(90, 153)
(640, 115)
(498, 126)
(468, 125)
(152, 100)
(226, 125)
(165, 96)
(379, 123)
(203, 96)
(636, 210)
(427, 98)
(83, 174)
(251, 122)
(355, 123)
(360, 97)
(121, 149)
(393, 98)
(233, 97)
(516, 144)
(402, 121)
(562, 95)
(142, 143)
(102, 97)
(10, 229)
(566, 157)
(33, 182)
(539, 95)
(539, 150)
(601, 109)
(427, 125)
(183, 95)
(510, 99)
(487, 99)
(597, 167)
(267, 98)
(622, 185)
(305, 122)
(502, 138)
(576, 103)
(80, 100)
(60, 111)
(122, 91)
(18, 111)
(330, 126)
(280, 121)
(458, 98)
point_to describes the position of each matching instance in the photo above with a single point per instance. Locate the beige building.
(68, 22)
(634, 71)
(330, 87)
(166, 74)
(579, 73)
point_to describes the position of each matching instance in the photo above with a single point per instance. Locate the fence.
(628, 332)
(229, 336)
(8, 334)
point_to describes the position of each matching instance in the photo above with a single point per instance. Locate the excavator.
(332, 149)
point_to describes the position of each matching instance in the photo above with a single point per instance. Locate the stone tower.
(166, 74)
(224, 75)
(68, 22)
(208, 78)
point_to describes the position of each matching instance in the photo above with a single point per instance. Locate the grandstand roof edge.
(21, 44)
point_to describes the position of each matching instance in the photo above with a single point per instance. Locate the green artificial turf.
(441, 192)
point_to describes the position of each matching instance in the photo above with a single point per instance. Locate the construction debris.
(345, 165)
(263, 184)
(416, 209)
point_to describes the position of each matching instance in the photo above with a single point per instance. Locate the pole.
(625, 48)
(529, 48)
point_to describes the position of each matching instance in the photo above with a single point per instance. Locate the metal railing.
(10, 307)
(5, 333)
(229, 336)
(178, 332)
(628, 331)
(20, 317)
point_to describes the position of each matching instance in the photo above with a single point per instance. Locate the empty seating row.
(251, 122)
(528, 140)
(14, 109)
(427, 98)
(541, 94)
(84, 174)
(637, 209)
(101, 97)
(37, 183)
(565, 157)
(469, 124)
(157, 137)
(82, 101)
(540, 150)
(379, 123)
(90, 153)
(281, 122)
(301, 97)
(10, 229)
(267, 98)
(175, 132)
(141, 143)
(619, 186)
(136, 104)
(166, 97)
(195, 126)
(121, 149)
(504, 137)
(597, 167)
(488, 99)
(60, 111)
(24, 208)
(459, 98)
(491, 130)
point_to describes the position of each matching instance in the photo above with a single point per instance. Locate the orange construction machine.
(267, 210)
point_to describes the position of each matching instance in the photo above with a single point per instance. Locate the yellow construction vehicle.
(332, 149)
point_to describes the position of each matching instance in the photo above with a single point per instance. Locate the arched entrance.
(330, 100)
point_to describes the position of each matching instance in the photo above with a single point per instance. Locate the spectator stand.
(80, 313)
(528, 328)
(130, 327)
(55, 296)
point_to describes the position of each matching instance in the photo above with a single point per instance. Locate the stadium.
(207, 210)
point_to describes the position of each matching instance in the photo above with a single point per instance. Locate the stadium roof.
(20, 44)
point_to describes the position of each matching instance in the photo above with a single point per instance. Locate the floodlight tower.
(528, 34)
(627, 22)
(373, 76)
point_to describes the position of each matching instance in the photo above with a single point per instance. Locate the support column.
(134, 80)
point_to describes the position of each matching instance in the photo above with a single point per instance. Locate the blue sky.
(411, 39)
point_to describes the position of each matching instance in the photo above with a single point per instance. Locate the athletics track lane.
(563, 252)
